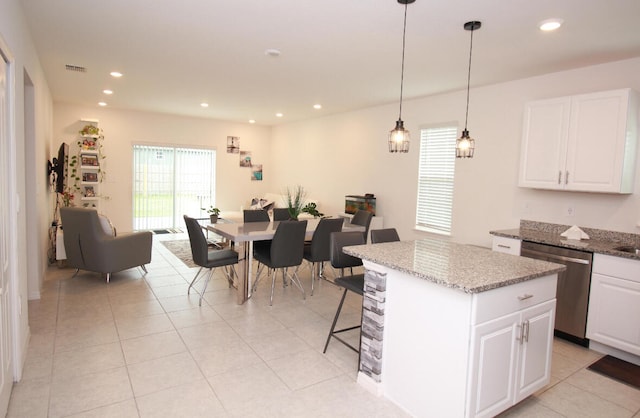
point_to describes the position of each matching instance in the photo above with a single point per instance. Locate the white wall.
(347, 154)
(30, 242)
(123, 128)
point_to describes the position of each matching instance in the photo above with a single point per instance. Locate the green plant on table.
(295, 201)
(212, 211)
(312, 209)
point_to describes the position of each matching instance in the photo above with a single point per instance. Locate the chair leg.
(229, 271)
(335, 321)
(206, 283)
(296, 280)
(258, 273)
(273, 285)
(313, 276)
(333, 332)
(194, 280)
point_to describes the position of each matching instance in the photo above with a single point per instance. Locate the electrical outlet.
(569, 211)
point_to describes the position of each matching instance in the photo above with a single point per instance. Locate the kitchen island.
(454, 330)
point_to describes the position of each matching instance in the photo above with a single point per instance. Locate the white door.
(6, 378)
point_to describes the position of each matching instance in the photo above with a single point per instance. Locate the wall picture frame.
(90, 177)
(233, 145)
(89, 160)
(245, 158)
(256, 172)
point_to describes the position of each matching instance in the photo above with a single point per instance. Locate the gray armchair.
(89, 247)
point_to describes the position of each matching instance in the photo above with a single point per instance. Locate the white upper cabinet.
(581, 143)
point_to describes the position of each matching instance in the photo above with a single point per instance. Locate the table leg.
(242, 270)
(249, 257)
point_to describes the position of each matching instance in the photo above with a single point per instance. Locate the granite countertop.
(600, 241)
(468, 268)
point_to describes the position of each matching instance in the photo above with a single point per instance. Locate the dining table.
(243, 235)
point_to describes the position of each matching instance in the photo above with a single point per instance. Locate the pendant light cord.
(466, 117)
(404, 34)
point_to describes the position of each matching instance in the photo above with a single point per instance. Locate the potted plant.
(312, 209)
(295, 201)
(90, 130)
(213, 213)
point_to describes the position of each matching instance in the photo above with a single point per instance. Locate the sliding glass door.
(169, 182)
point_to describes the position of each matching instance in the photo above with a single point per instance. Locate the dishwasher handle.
(555, 257)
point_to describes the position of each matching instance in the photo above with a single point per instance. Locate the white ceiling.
(343, 54)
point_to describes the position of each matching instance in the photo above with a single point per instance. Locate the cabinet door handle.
(559, 177)
(525, 333)
(525, 296)
(521, 336)
(504, 246)
(566, 178)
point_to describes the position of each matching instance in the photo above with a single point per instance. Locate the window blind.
(435, 179)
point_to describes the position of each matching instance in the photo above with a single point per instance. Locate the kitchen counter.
(600, 241)
(439, 319)
(468, 268)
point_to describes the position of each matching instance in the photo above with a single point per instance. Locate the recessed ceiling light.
(107, 91)
(279, 115)
(204, 104)
(102, 104)
(550, 24)
(272, 52)
(252, 121)
(115, 74)
(317, 106)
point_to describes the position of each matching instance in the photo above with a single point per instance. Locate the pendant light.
(465, 144)
(399, 138)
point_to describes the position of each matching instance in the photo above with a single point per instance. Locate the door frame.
(9, 161)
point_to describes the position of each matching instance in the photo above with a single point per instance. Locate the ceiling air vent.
(75, 68)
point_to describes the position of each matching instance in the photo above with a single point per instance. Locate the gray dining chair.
(208, 258)
(281, 214)
(285, 250)
(319, 249)
(255, 215)
(362, 218)
(384, 235)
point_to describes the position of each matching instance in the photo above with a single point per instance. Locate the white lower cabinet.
(448, 353)
(511, 358)
(506, 245)
(614, 303)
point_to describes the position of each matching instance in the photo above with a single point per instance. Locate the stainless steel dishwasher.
(573, 287)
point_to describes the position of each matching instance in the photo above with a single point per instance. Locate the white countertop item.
(575, 233)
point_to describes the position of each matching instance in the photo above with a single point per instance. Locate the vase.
(214, 218)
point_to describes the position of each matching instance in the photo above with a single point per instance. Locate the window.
(435, 179)
(169, 182)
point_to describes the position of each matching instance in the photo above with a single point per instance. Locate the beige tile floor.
(141, 347)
